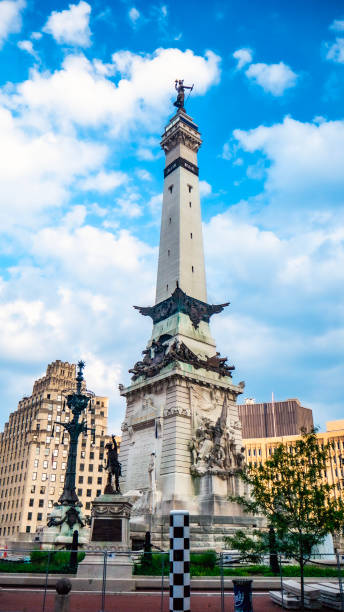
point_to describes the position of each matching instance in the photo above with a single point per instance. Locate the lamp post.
(77, 402)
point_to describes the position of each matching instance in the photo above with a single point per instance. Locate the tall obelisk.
(181, 444)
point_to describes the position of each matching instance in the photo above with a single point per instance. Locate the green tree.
(290, 490)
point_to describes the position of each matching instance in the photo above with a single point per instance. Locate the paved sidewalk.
(32, 601)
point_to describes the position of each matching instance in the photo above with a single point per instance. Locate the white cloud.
(143, 174)
(155, 203)
(103, 181)
(306, 160)
(337, 25)
(204, 189)
(243, 57)
(71, 26)
(10, 18)
(335, 51)
(273, 78)
(134, 15)
(80, 94)
(26, 45)
(37, 171)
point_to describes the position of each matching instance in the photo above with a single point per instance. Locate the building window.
(170, 220)
(82, 467)
(80, 492)
(99, 480)
(63, 466)
(170, 188)
(190, 188)
(62, 478)
(88, 492)
(54, 465)
(89, 480)
(91, 455)
(31, 502)
(29, 516)
(50, 503)
(34, 476)
(192, 269)
(41, 503)
(81, 479)
(39, 516)
(35, 463)
(42, 491)
(44, 476)
(52, 477)
(45, 464)
(33, 488)
(90, 467)
(191, 235)
(87, 505)
(83, 454)
(28, 528)
(168, 253)
(98, 492)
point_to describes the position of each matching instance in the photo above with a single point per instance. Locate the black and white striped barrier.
(179, 561)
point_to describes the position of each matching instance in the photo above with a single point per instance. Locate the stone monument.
(181, 445)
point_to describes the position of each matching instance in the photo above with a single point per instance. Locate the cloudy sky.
(85, 92)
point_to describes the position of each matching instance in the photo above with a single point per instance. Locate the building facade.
(258, 450)
(34, 450)
(271, 419)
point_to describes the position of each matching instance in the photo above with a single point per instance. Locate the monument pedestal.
(109, 544)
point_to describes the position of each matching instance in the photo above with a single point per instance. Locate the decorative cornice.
(181, 132)
(181, 302)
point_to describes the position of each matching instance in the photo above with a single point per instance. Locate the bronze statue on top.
(113, 467)
(180, 87)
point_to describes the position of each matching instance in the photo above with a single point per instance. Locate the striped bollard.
(179, 561)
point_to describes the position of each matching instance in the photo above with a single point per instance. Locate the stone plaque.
(107, 530)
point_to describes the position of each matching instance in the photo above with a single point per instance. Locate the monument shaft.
(181, 443)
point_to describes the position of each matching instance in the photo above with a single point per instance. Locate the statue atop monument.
(180, 88)
(113, 467)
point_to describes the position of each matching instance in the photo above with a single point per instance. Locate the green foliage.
(57, 562)
(207, 559)
(201, 564)
(288, 489)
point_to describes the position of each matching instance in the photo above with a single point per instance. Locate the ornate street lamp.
(77, 402)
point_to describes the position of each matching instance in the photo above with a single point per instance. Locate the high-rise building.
(268, 419)
(181, 443)
(33, 454)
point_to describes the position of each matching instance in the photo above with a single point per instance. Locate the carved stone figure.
(213, 448)
(113, 467)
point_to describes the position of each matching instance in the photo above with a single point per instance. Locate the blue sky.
(85, 92)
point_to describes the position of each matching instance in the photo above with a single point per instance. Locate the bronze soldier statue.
(180, 87)
(113, 467)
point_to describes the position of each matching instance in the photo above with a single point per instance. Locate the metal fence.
(211, 574)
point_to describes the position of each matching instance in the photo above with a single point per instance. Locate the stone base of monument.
(109, 545)
(60, 532)
(207, 531)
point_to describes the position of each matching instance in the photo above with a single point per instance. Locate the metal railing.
(150, 572)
